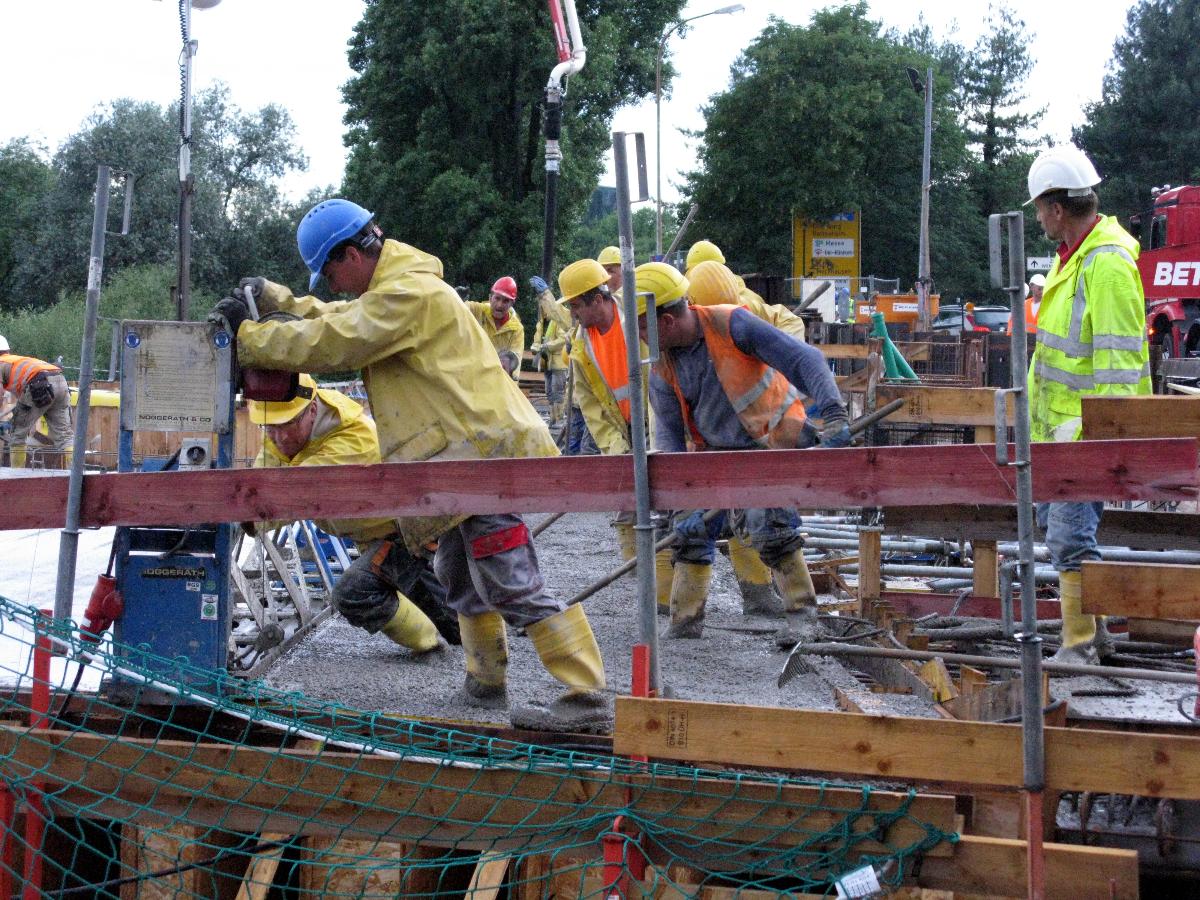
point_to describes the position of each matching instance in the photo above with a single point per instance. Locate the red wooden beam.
(1153, 469)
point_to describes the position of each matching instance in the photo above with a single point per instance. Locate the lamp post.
(923, 280)
(662, 43)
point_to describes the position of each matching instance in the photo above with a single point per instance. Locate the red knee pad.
(497, 542)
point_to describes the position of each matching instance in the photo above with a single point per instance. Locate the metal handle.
(1001, 399)
(127, 211)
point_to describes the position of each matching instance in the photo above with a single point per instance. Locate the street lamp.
(662, 42)
(923, 280)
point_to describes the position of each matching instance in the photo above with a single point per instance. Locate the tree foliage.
(1143, 131)
(445, 120)
(25, 177)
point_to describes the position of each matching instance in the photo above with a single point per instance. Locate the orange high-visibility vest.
(1030, 318)
(767, 404)
(17, 371)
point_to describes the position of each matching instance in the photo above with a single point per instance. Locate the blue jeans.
(1070, 532)
(579, 440)
(774, 532)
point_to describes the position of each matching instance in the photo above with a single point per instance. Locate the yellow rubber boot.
(799, 602)
(626, 539)
(689, 594)
(754, 580)
(664, 573)
(411, 628)
(485, 647)
(17, 455)
(1078, 630)
(569, 651)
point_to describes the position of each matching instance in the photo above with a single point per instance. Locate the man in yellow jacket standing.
(501, 323)
(387, 589)
(437, 391)
(1091, 341)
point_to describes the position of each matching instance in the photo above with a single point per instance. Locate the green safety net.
(166, 780)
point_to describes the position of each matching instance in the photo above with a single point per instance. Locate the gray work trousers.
(487, 563)
(365, 594)
(57, 412)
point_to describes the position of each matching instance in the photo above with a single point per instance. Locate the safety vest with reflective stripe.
(17, 371)
(596, 398)
(767, 404)
(1091, 337)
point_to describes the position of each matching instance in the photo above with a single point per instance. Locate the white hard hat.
(3, 344)
(1039, 279)
(1064, 167)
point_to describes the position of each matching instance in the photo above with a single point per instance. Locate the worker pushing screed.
(437, 391)
(1091, 341)
(387, 589)
(726, 380)
(501, 323)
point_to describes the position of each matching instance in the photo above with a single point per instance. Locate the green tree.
(1143, 131)
(445, 117)
(819, 119)
(590, 237)
(25, 177)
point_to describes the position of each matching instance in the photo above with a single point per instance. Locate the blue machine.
(176, 376)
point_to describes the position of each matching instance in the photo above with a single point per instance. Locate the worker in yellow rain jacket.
(387, 588)
(1091, 341)
(437, 391)
(777, 314)
(38, 389)
(501, 323)
(726, 380)
(549, 347)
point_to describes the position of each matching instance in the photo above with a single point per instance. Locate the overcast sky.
(62, 59)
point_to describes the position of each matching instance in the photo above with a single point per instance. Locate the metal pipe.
(643, 528)
(1045, 575)
(996, 662)
(923, 275)
(68, 545)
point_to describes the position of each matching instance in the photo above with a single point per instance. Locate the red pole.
(1196, 646)
(1035, 855)
(8, 844)
(35, 813)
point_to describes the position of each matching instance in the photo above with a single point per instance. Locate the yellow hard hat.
(712, 284)
(581, 276)
(702, 250)
(665, 282)
(609, 255)
(272, 412)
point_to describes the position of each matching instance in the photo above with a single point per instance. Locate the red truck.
(1169, 233)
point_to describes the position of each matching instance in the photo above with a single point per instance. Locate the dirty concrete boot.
(1077, 629)
(689, 594)
(1103, 642)
(799, 602)
(664, 572)
(1077, 655)
(626, 539)
(411, 628)
(568, 650)
(485, 647)
(754, 580)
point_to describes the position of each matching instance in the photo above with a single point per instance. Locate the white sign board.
(824, 246)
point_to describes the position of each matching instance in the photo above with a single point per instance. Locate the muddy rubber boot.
(568, 650)
(754, 580)
(664, 573)
(411, 628)
(689, 594)
(1103, 642)
(626, 540)
(1078, 630)
(485, 647)
(799, 602)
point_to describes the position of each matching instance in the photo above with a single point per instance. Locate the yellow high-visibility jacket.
(596, 399)
(352, 441)
(777, 314)
(509, 336)
(436, 385)
(554, 343)
(1091, 337)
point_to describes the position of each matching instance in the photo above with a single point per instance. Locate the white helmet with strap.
(3, 344)
(1060, 168)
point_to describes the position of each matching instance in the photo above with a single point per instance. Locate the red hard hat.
(507, 286)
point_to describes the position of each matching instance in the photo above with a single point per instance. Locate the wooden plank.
(996, 866)
(986, 569)
(844, 351)
(943, 405)
(261, 873)
(488, 876)
(1145, 590)
(1141, 417)
(935, 674)
(869, 476)
(930, 750)
(869, 572)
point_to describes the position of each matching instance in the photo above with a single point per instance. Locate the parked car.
(955, 319)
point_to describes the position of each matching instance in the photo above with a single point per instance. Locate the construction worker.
(722, 383)
(577, 439)
(387, 588)
(549, 346)
(1033, 302)
(706, 252)
(437, 391)
(39, 389)
(502, 324)
(1091, 341)
(610, 258)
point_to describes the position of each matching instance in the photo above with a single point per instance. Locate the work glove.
(691, 526)
(256, 286)
(538, 283)
(229, 314)
(835, 431)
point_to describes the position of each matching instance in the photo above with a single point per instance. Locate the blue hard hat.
(324, 227)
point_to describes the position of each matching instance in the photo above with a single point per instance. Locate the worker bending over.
(777, 314)
(1091, 342)
(387, 588)
(726, 380)
(437, 391)
(501, 323)
(39, 389)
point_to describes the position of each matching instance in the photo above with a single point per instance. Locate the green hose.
(895, 366)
